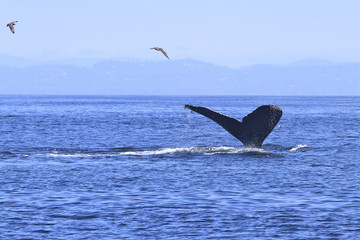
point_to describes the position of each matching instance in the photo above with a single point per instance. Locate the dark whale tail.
(253, 129)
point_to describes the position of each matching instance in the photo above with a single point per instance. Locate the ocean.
(143, 167)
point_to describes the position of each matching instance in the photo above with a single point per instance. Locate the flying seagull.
(161, 50)
(11, 26)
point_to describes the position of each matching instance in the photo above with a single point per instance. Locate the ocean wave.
(6, 154)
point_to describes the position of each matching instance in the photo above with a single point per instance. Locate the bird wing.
(11, 26)
(162, 50)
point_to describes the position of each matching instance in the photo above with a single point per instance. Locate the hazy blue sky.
(231, 33)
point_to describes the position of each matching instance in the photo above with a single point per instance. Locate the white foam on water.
(200, 150)
(74, 155)
(165, 151)
(173, 151)
(299, 147)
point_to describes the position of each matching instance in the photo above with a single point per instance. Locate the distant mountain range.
(177, 77)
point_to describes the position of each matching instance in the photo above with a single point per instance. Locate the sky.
(229, 33)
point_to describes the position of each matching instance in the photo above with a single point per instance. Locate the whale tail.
(253, 129)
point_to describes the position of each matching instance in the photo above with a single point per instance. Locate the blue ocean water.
(136, 167)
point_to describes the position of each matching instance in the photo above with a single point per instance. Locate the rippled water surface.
(145, 168)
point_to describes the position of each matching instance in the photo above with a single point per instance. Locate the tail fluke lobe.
(259, 124)
(254, 128)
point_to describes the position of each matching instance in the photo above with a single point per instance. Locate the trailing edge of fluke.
(253, 129)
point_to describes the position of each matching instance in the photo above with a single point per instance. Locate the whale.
(252, 130)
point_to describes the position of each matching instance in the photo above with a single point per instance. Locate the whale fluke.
(253, 129)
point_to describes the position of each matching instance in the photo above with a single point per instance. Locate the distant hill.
(180, 77)
(312, 62)
(10, 61)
